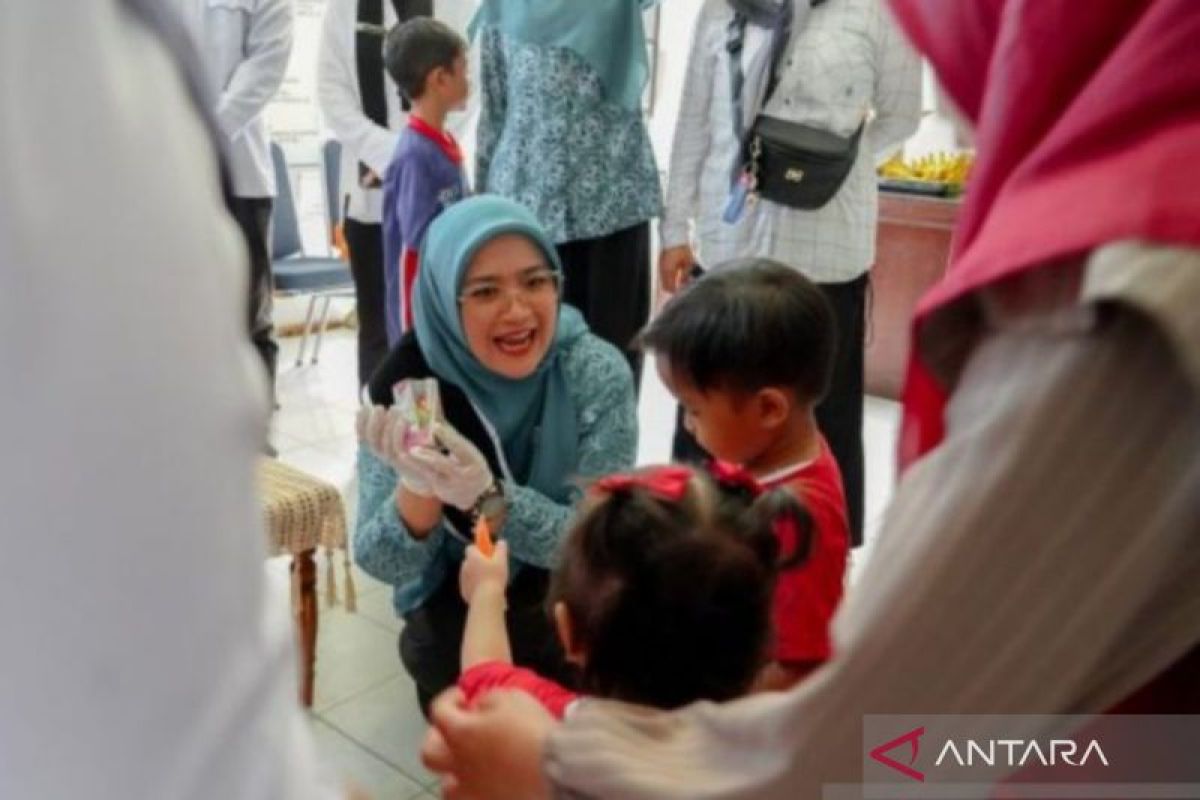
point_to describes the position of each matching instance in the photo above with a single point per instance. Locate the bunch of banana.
(948, 168)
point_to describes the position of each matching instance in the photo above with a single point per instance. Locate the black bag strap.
(735, 42)
(369, 33)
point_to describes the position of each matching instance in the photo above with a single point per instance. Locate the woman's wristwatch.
(492, 505)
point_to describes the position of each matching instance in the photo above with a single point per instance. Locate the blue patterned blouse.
(602, 390)
(549, 139)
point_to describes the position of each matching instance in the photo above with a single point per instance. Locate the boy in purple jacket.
(428, 61)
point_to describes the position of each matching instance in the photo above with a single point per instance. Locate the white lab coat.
(341, 105)
(142, 655)
(244, 46)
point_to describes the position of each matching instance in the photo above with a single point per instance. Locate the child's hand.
(482, 573)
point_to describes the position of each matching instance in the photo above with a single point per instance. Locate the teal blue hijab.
(534, 417)
(607, 34)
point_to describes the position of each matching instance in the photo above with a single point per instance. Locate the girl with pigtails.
(663, 596)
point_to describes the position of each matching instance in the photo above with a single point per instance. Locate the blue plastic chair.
(331, 154)
(295, 272)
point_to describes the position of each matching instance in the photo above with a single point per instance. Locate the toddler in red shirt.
(748, 351)
(663, 596)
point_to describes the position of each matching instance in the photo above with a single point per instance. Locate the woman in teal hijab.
(531, 400)
(561, 131)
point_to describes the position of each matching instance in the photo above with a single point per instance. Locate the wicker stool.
(303, 513)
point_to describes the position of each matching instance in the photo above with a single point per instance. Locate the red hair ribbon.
(734, 476)
(665, 483)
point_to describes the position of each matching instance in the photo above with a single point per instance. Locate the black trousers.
(365, 241)
(840, 414)
(431, 641)
(608, 280)
(253, 216)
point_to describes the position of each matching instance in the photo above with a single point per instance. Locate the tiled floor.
(365, 716)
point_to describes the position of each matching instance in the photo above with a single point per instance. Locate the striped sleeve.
(691, 143)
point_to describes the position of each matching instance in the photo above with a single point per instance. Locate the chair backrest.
(331, 154)
(285, 228)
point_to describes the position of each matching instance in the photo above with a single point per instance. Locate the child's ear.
(774, 406)
(566, 635)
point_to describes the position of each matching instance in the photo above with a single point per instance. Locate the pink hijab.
(1088, 131)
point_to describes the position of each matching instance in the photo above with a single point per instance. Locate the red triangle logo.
(913, 739)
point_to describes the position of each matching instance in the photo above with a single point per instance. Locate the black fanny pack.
(798, 165)
(789, 163)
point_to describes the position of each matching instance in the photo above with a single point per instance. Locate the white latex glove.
(414, 476)
(372, 427)
(383, 430)
(458, 477)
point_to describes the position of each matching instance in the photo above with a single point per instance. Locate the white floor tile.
(354, 654)
(331, 460)
(386, 720)
(881, 425)
(314, 424)
(357, 765)
(377, 607)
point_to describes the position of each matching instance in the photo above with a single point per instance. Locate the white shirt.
(244, 45)
(847, 58)
(341, 104)
(143, 657)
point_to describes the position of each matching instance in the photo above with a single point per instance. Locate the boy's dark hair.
(750, 324)
(416, 48)
(671, 600)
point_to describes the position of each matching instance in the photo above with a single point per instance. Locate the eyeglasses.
(542, 284)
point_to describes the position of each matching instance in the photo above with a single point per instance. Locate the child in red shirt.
(663, 596)
(748, 351)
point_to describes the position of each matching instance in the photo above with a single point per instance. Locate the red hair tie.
(735, 477)
(665, 483)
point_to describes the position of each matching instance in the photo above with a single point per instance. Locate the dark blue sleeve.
(417, 202)
(393, 238)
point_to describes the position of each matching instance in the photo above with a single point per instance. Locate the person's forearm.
(536, 523)
(485, 637)
(897, 89)
(257, 79)
(420, 514)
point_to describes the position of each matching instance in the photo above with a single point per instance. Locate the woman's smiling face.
(509, 305)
